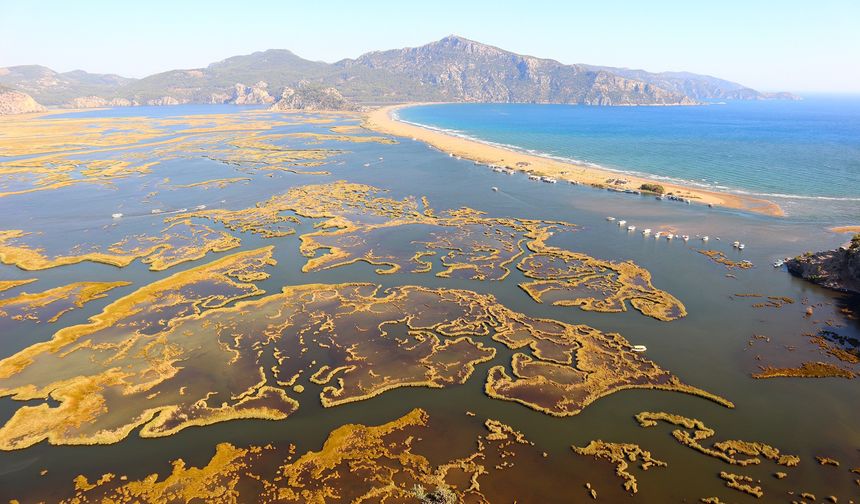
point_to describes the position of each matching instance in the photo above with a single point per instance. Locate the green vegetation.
(654, 188)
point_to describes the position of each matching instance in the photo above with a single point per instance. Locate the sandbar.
(382, 120)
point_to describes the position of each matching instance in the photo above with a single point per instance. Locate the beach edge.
(381, 120)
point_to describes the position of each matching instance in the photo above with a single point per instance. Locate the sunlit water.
(709, 348)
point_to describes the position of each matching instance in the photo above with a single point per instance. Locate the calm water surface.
(709, 348)
(804, 154)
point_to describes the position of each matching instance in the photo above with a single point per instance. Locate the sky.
(787, 45)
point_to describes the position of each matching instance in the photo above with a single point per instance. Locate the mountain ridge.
(453, 68)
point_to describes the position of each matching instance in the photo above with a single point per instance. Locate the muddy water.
(710, 348)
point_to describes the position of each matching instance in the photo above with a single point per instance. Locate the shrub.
(654, 188)
(442, 495)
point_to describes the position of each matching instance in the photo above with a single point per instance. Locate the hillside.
(53, 88)
(459, 69)
(697, 87)
(451, 69)
(16, 102)
(837, 269)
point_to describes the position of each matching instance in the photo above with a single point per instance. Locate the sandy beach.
(845, 229)
(381, 120)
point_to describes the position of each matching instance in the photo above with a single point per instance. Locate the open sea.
(805, 155)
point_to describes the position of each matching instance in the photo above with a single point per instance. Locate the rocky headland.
(835, 269)
(16, 102)
(308, 97)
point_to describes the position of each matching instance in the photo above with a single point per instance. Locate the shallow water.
(709, 348)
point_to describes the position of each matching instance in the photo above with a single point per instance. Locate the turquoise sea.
(805, 155)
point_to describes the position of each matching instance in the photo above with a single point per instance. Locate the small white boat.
(705, 238)
(182, 210)
(155, 211)
(631, 228)
(366, 165)
(116, 215)
(610, 219)
(735, 244)
(200, 207)
(741, 246)
(534, 177)
(686, 238)
(495, 188)
(646, 231)
(622, 223)
(639, 348)
(380, 158)
(548, 180)
(778, 264)
(669, 236)
(658, 234)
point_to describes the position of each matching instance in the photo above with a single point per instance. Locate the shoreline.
(381, 120)
(845, 229)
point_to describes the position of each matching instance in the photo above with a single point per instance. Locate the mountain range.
(451, 69)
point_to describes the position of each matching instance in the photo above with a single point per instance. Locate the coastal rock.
(165, 100)
(218, 98)
(97, 101)
(307, 97)
(15, 102)
(835, 269)
(258, 94)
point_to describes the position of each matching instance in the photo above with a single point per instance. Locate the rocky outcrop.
(165, 100)
(15, 102)
(835, 269)
(258, 94)
(307, 97)
(459, 69)
(218, 98)
(97, 102)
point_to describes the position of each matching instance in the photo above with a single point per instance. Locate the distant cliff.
(15, 102)
(835, 269)
(98, 101)
(460, 69)
(697, 87)
(308, 97)
(451, 69)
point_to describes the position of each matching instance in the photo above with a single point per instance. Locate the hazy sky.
(769, 45)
